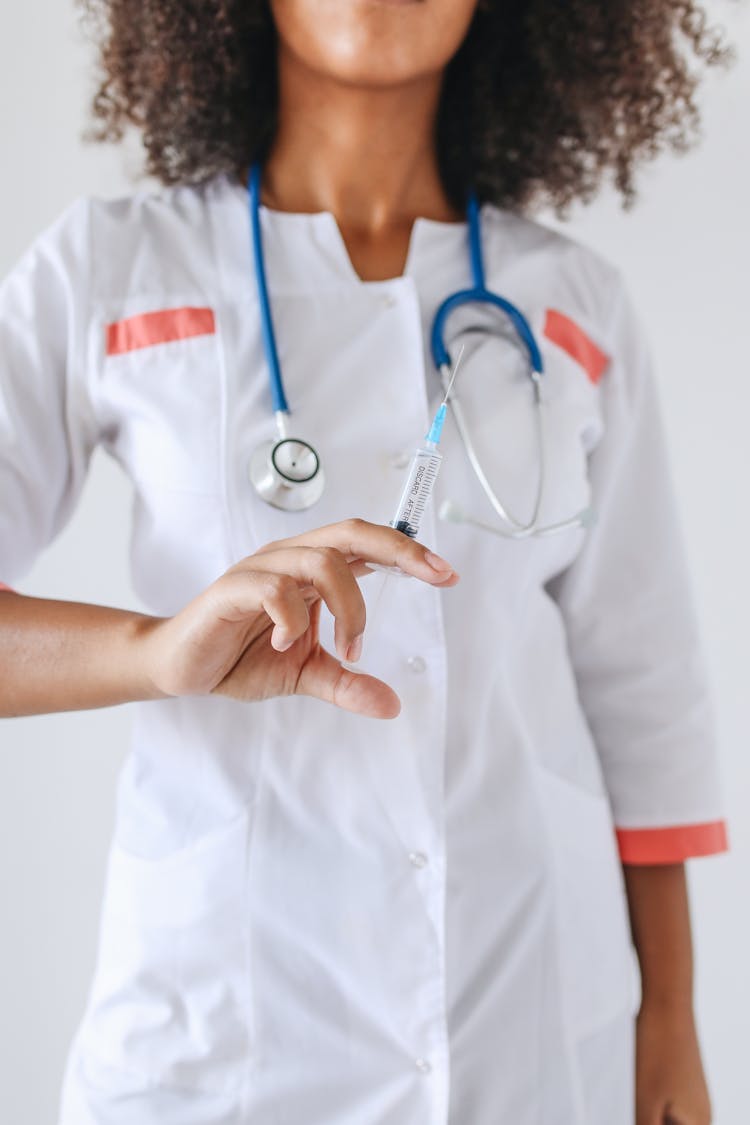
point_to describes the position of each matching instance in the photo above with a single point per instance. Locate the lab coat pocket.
(162, 408)
(596, 965)
(170, 998)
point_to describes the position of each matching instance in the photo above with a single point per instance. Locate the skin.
(359, 88)
(359, 82)
(671, 1087)
(252, 634)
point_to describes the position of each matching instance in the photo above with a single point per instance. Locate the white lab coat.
(313, 918)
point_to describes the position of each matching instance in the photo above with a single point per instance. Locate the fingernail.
(437, 563)
(354, 651)
(447, 578)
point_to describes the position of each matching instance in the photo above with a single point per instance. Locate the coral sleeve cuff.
(671, 845)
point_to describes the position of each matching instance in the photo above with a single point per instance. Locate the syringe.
(420, 481)
(423, 472)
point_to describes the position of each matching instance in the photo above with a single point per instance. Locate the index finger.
(378, 543)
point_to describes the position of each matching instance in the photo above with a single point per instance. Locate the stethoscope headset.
(286, 472)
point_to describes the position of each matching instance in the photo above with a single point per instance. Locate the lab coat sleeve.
(632, 626)
(47, 429)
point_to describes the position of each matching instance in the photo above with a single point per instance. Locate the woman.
(312, 918)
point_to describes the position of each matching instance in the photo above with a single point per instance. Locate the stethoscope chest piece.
(287, 474)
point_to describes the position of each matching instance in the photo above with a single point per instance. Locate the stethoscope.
(287, 472)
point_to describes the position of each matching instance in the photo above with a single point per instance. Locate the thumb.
(324, 678)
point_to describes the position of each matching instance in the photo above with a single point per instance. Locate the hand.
(253, 633)
(670, 1083)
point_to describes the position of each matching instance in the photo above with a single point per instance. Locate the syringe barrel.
(420, 481)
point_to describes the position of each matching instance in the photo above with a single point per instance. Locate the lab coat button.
(389, 300)
(422, 1066)
(417, 664)
(401, 459)
(417, 859)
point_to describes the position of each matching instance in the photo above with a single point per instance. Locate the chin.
(375, 43)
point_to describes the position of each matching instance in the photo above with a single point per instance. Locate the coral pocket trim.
(161, 327)
(564, 332)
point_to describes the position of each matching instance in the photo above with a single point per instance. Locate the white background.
(684, 251)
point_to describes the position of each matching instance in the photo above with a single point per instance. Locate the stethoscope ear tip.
(451, 512)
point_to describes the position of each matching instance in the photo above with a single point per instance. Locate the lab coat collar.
(305, 251)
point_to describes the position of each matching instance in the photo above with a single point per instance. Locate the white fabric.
(313, 918)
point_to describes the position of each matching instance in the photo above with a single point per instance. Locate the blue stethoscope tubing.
(280, 404)
(479, 294)
(296, 493)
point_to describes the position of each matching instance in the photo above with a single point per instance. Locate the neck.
(365, 154)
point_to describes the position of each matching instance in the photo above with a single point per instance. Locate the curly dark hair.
(542, 100)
